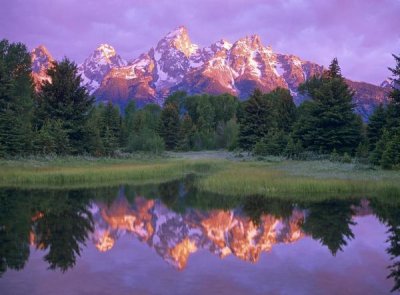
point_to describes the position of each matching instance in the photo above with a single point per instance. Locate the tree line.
(62, 118)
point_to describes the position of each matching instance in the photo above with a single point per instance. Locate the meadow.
(216, 173)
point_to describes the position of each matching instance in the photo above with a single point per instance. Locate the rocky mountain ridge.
(176, 63)
(175, 236)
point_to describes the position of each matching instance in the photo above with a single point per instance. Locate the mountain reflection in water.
(175, 235)
(176, 221)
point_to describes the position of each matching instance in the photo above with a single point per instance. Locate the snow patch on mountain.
(176, 63)
(98, 65)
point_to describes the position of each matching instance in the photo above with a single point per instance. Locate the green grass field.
(283, 178)
(300, 179)
(90, 172)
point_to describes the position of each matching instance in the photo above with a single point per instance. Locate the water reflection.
(390, 215)
(176, 221)
(175, 235)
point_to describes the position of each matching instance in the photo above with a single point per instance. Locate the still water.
(170, 239)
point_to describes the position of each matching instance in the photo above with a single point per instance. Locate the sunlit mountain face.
(177, 64)
(175, 223)
(174, 236)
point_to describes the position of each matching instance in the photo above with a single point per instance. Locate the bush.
(227, 135)
(334, 157)
(146, 140)
(261, 148)
(273, 144)
(52, 138)
(346, 158)
(293, 149)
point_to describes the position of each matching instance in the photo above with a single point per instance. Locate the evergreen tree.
(16, 92)
(391, 153)
(127, 123)
(386, 152)
(64, 99)
(393, 109)
(283, 109)
(293, 148)
(144, 135)
(380, 147)
(94, 141)
(225, 107)
(129, 118)
(205, 114)
(255, 120)
(178, 99)
(186, 133)
(227, 134)
(334, 69)
(328, 121)
(169, 128)
(273, 144)
(110, 128)
(52, 139)
(376, 124)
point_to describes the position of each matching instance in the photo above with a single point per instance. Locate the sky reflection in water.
(169, 239)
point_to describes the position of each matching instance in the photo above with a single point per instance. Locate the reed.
(301, 179)
(85, 174)
(242, 179)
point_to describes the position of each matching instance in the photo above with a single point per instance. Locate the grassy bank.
(300, 179)
(219, 175)
(89, 172)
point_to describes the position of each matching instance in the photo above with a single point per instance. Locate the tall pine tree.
(376, 124)
(186, 133)
(169, 126)
(393, 110)
(328, 121)
(16, 92)
(386, 152)
(110, 128)
(255, 120)
(63, 98)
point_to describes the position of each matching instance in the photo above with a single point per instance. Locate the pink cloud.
(362, 34)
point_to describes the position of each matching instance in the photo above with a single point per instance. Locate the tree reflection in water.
(329, 222)
(62, 221)
(389, 214)
(57, 221)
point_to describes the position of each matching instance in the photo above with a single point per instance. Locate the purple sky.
(361, 33)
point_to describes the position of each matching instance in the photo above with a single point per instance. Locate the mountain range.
(175, 236)
(176, 63)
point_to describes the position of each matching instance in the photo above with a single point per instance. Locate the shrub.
(346, 158)
(146, 140)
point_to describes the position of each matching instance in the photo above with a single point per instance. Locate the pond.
(170, 239)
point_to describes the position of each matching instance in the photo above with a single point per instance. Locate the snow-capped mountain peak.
(221, 45)
(179, 40)
(41, 61)
(98, 65)
(106, 51)
(176, 63)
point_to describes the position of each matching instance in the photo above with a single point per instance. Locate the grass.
(313, 179)
(274, 177)
(87, 172)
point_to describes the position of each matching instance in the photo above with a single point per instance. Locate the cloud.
(361, 33)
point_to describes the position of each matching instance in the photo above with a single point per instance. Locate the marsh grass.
(81, 173)
(302, 180)
(278, 178)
